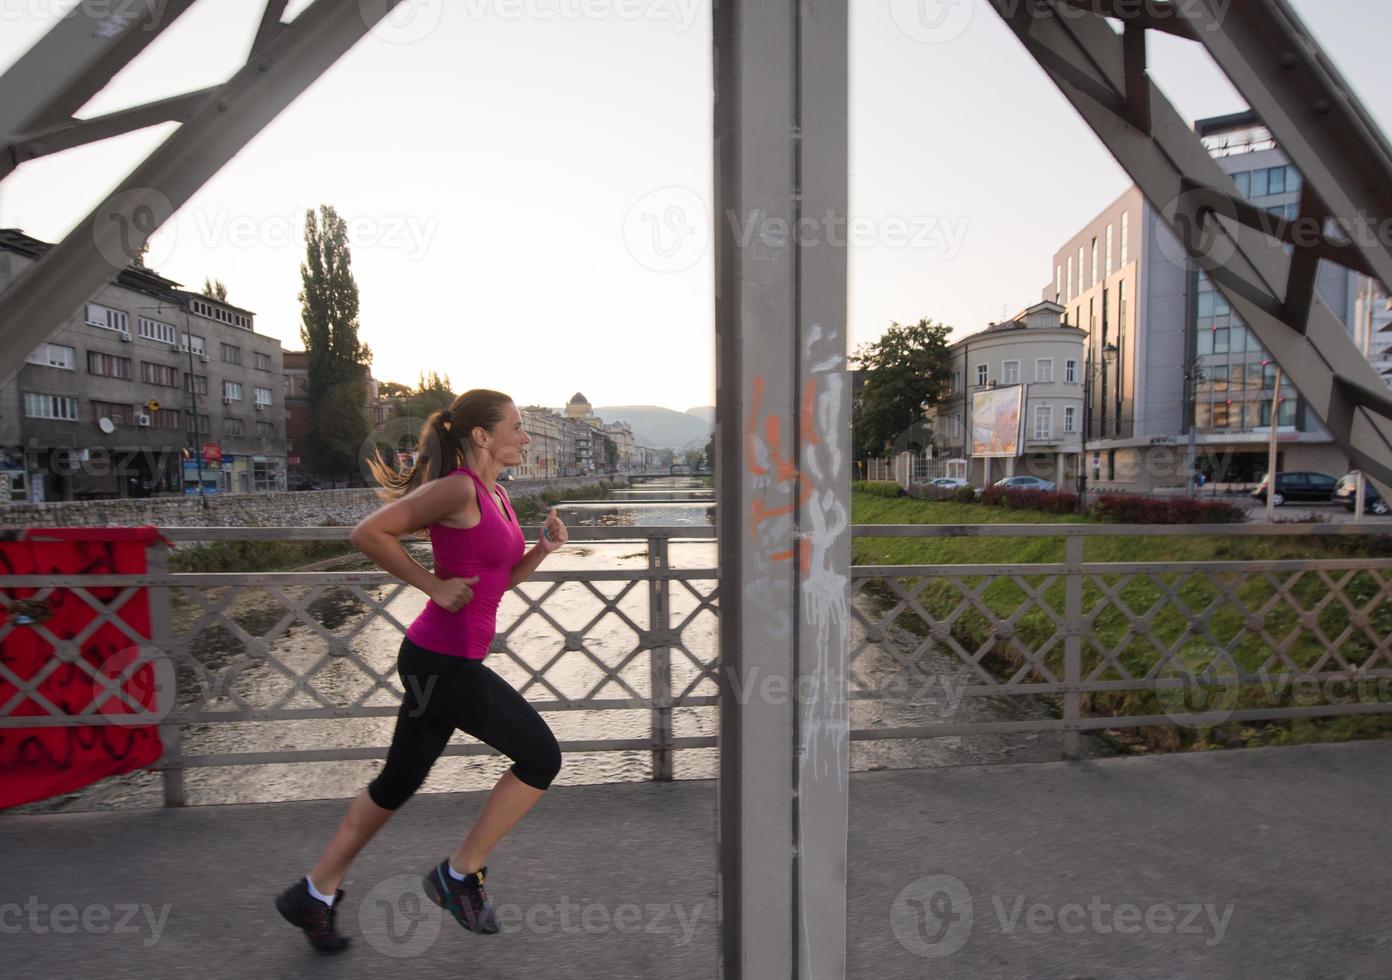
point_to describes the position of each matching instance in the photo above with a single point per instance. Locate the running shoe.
(304, 911)
(465, 900)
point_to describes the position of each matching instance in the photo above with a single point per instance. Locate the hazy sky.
(528, 182)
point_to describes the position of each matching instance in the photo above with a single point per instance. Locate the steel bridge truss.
(781, 150)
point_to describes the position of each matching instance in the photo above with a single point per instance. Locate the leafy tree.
(610, 453)
(907, 367)
(214, 289)
(338, 361)
(393, 389)
(432, 394)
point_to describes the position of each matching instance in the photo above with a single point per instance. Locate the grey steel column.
(783, 446)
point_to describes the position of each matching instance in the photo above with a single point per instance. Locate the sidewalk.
(1267, 863)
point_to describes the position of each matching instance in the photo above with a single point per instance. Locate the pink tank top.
(489, 549)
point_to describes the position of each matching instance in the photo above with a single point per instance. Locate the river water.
(537, 644)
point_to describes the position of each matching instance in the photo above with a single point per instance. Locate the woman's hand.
(553, 532)
(453, 593)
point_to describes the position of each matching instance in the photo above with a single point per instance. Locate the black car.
(1298, 486)
(1372, 500)
(298, 481)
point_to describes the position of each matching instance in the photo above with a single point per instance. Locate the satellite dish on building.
(106, 425)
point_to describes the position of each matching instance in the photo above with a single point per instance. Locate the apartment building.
(142, 387)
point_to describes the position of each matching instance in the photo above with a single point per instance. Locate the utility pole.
(1271, 450)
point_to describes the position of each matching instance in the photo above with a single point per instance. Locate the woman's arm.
(553, 535)
(376, 536)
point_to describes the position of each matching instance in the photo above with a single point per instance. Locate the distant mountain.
(661, 428)
(705, 412)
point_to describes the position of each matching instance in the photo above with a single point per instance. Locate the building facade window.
(41, 406)
(1094, 262)
(115, 411)
(197, 342)
(231, 354)
(107, 318)
(165, 418)
(1058, 284)
(262, 395)
(263, 361)
(159, 374)
(233, 427)
(199, 385)
(1070, 419)
(1070, 371)
(54, 355)
(232, 390)
(265, 430)
(1010, 372)
(108, 365)
(1082, 270)
(981, 375)
(1110, 253)
(1044, 369)
(206, 309)
(1125, 238)
(1070, 279)
(157, 330)
(203, 426)
(1043, 421)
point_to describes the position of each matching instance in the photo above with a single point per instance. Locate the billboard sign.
(997, 421)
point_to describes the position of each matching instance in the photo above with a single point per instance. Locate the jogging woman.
(479, 554)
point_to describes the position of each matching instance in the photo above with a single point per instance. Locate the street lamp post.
(1109, 351)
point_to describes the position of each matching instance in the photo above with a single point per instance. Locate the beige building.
(1039, 433)
(545, 454)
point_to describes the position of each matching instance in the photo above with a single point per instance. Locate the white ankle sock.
(326, 899)
(454, 874)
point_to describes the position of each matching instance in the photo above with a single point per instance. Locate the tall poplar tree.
(338, 362)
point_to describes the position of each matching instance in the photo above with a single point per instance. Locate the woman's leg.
(360, 825)
(505, 720)
(510, 800)
(417, 741)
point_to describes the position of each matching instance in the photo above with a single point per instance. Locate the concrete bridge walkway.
(1268, 863)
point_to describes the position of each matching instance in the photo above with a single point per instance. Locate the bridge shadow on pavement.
(1264, 863)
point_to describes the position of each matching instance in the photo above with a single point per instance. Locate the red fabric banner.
(36, 763)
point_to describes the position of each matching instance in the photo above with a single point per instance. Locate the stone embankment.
(308, 508)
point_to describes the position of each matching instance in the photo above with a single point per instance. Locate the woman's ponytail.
(440, 446)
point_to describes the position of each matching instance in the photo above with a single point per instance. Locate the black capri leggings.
(444, 693)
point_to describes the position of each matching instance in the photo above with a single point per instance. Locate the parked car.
(1026, 483)
(1372, 500)
(1298, 486)
(949, 483)
(298, 481)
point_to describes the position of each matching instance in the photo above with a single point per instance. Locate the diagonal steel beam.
(1085, 57)
(77, 132)
(75, 60)
(1318, 120)
(102, 245)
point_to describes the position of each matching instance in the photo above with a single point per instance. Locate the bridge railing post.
(166, 675)
(660, 658)
(1073, 643)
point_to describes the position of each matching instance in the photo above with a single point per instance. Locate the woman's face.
(508, 441)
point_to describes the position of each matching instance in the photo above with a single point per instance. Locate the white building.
(1044, 357)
